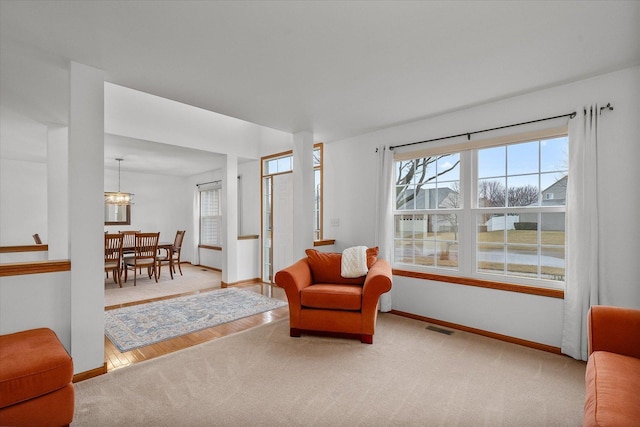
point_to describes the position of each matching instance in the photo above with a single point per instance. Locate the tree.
(492, 194)
(525, 195)
(412, 175)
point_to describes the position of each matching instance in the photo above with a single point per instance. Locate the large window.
(495, 212)
(210, 217)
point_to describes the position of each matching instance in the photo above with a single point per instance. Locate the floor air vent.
(439, 330)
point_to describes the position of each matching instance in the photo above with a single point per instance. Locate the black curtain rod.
(468, 134)
(210, 182)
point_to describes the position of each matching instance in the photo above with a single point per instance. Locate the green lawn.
(526, 239)
(514, 237)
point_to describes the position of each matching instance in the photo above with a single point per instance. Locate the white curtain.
(196, 227)
(582, 285)
(384, 213)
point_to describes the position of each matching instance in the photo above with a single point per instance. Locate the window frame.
(467, 271)
(266, 218)
(318, 192)
(216, 191)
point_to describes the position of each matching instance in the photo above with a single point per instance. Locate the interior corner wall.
(349, 207)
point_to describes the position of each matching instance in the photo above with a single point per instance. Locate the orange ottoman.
(36, 375)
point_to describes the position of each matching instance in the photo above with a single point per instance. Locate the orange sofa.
(322, 301)
(613, 369)
(35, 380)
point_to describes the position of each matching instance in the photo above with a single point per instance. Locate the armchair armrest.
(293, 279)
(614, 329)
(378, 281)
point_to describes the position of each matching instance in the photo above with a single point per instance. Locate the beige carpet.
(409, 376)
(194, 278)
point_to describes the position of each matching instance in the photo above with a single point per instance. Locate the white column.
(302, 193)
(58, 191)
(230, 220)
(86, 216)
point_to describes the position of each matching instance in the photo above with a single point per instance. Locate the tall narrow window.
(272, 166)
(317, 205)
(210, 217)
(278, 164)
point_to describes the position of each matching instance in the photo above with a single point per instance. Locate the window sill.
(326, 242)
(215, 248)
(467, 281)
(249, 237)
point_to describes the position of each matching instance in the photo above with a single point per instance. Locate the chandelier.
(118, 198)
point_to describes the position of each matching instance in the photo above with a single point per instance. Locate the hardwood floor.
(116, 359)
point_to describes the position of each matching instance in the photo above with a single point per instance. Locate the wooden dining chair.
(36, 238)
(129, 240)
(144, 255)
(172, 256)
(113, 256)
(177, 248)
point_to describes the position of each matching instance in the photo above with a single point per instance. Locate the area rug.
(140, 325)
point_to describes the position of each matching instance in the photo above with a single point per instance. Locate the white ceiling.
(338, 69)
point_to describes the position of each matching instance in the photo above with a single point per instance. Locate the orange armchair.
(322, 301)
(613, 370)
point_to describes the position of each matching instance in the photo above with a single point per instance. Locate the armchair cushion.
(336, 297)
(326, 267)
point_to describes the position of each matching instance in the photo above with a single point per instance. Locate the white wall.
(161, 203)
(249, 223)
(148, 117)
(23, 201)
(249, 188)
(350, 197)
(36, 301)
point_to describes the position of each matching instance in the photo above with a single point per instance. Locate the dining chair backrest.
(177, 243)
(129, 240)
(146, 247)
(112, 247)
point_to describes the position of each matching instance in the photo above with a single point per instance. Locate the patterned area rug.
(140, 325)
